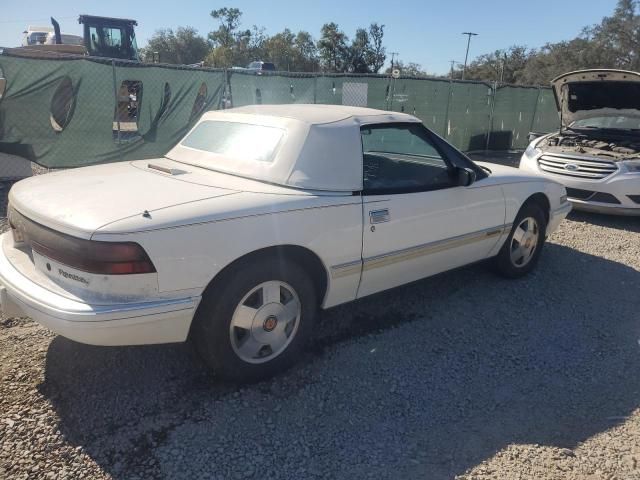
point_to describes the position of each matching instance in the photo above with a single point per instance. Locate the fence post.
(388, 93)
(115, 94)
(535, 111)
(494, 94)
(445, 134)
(227, 76)
(315, 88)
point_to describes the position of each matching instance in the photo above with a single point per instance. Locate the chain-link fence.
(72, 111)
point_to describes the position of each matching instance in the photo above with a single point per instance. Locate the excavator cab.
(110, 37)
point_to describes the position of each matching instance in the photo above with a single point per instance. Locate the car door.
(418, 220)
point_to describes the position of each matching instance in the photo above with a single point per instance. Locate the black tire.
(504, 263)
(211, 333)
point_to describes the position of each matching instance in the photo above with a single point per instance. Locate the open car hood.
(597, 93)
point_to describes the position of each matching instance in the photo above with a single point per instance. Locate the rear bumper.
(155, 321)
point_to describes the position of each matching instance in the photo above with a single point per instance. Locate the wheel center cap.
(270, 323)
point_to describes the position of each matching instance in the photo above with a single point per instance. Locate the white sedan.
(596, 153)
(259, 216)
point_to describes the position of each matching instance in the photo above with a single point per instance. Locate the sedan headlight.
(632, 166)
(532, 151)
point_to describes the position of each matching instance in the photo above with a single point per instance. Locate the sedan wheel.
(255, 319)
(265, 322)
(524, 242)
(521, 251)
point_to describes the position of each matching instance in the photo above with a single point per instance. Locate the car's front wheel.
(256, 321)
(521, 251)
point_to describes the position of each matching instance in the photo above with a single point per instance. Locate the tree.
(183, 47)
(332, 48)
(229, 19)
(619, 35)
(376, 55)
(366, 53)
(306, 52)
(613, 43)
(502, 65)
(358, 52)
(280, 49)
(231, 46)
(410, 69)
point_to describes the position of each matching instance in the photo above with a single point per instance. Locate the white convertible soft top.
(321, 148)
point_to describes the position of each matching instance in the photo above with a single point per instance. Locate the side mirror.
(465, 176)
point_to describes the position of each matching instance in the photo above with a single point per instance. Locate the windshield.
(240, 141)
(585, 96)
(617, 122)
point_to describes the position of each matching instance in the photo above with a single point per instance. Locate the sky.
(428, 32)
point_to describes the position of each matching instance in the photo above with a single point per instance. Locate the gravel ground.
(464, 375)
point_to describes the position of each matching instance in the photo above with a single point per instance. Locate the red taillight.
(107, 258)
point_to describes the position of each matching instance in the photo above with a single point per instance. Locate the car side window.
(401, 158)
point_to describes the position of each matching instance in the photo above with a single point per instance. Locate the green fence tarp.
(98, 129)
(164, 113)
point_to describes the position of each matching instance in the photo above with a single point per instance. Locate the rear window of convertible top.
(243, 141)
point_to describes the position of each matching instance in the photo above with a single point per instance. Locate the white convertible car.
(259, 216)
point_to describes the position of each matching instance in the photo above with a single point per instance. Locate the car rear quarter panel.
(188, 257)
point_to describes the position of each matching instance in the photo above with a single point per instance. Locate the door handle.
(379, 216)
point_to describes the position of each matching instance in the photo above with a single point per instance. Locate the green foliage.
(376, 53)
(184, 46)
(409, 69)
(232, 46)
(226, 34)
(613, 43)
(365, 54)
(332, 48)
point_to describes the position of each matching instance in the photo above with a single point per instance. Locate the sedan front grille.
(580, 194)
(577, 168)
(588, 195)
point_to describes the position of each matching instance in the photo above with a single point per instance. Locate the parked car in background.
(260, 67)
(596, 153)
(259, 216)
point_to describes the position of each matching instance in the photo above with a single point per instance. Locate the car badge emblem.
(571, 167)
(270, 323)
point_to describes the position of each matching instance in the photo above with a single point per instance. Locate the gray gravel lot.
(462, 375)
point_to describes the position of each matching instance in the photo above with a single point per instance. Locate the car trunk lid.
(78, 202)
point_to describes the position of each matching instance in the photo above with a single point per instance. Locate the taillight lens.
(107, 258)
(18, 236)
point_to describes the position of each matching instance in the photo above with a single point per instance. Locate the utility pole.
(453, 64)
(466, 57)
(389, 95)
(393, 56)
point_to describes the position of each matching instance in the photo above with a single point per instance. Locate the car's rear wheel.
(255, 321)
(521, 251)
